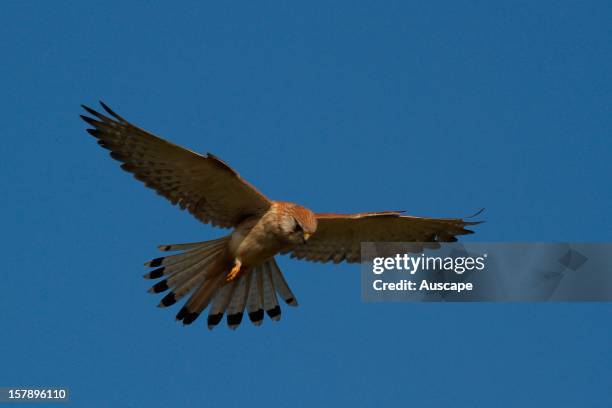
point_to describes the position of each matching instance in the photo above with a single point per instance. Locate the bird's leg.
(234, 272)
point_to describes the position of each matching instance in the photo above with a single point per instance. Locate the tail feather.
(200, 299)
(181, 247)
(270, 301)
(200, 267)
(200, 270)
(178, 267)
(174, 259)
(255, 298)
(235, 309)
(186, 274)
(178, 276)
(182, 289)
(199, 250)
(281, 284)
(220, 303)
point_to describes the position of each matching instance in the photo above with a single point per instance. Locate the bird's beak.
(306, 236)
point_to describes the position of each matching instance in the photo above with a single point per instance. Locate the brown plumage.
(238, 272)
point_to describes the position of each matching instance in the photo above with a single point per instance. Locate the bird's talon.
(234, 272)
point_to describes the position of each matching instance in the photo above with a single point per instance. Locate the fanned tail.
(185, 271)
(256, 291)
(200, 270)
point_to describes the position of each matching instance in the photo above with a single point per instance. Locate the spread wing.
(204, 185)
(339, 236)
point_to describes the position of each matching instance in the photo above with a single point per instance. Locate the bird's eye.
(298, 227)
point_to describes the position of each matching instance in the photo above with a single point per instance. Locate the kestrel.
(238, 271)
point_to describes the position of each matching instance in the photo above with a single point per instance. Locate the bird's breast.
(252, 243)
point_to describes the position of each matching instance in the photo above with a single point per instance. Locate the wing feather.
(339, 236)
(204, 185)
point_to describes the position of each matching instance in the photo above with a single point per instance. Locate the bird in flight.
(238, 271)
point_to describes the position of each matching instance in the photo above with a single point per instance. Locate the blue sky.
(438, 109)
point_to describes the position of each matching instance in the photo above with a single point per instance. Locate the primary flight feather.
(238, 272)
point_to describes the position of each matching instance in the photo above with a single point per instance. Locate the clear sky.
(437, 108)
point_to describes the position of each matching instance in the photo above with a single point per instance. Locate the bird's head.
(297, 223)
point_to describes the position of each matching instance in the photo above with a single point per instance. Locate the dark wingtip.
(106, 107)
(291, 301)
(111, 112)
(89, 110)
(89, 121)
(94, 132)
(466, 223)
(477, 213)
